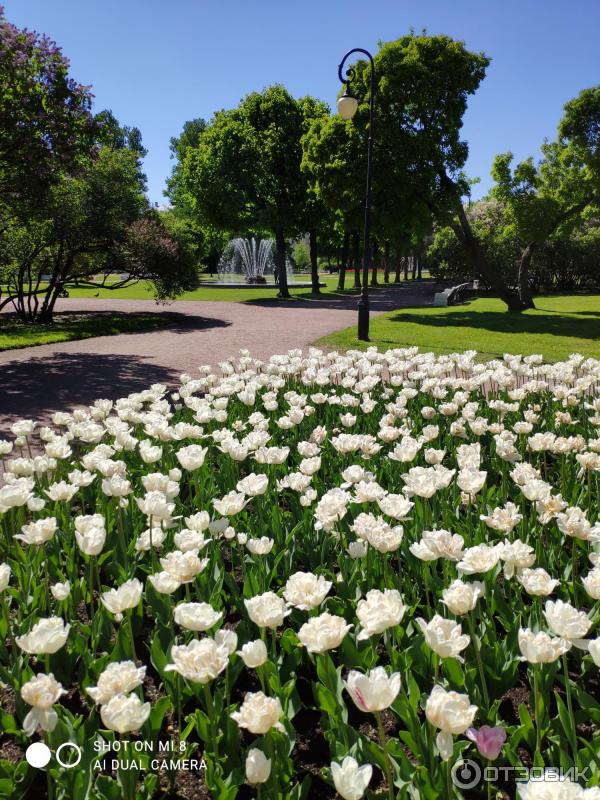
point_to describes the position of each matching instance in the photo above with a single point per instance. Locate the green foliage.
(301, 255)
(245, 171)
(422, 86)
(46, 123)
(72, 202)
(488, 220)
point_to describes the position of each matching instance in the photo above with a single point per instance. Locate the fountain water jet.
(249, 257)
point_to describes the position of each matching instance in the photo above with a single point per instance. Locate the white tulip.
(119, 677)
(267, 610)
(254, 654)
(350, 780)
(200, 661)
(259, 713)
(258, 766)
(125, 713)
(305, 590)
(47, 636)
(126, 596)
(373, 691)
(196, 616)
(323, 633)
(379, 611)
(460, 597)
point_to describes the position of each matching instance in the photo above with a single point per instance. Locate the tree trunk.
(386, 263)
(280, 263)
(314, 262)
(405, 260)
(419, 268)
(398, 266)
(475, 252)
(51, 294)
(413, 264)
(375, 262)
(524, 265)
(356, 259)
(343, 262)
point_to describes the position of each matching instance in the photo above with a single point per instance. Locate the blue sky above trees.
(158, 64)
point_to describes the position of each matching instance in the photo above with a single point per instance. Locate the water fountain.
(250, 258)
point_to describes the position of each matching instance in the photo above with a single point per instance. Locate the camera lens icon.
(466, 774)
(67, 754)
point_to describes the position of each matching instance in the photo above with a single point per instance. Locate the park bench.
(454, 294)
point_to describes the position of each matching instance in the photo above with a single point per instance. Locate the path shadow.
(381, 298)
(550, 322)
(38, 386)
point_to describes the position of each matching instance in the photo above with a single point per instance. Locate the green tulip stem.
(91, 587)
(261, 677)
(574, 570)
(536, 695)
(475, 642)
(47, 580)
(48, 776)
(572, 733)
(210, 710)
(128, 614)
(384, 746)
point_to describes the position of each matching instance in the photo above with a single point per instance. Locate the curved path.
(35, 381)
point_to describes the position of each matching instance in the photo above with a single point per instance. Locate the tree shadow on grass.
(131, 321)
(385, 297)
(549, 322)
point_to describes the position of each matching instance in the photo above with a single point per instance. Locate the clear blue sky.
(157, 63)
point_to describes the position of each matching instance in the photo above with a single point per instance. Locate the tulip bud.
(258, 766)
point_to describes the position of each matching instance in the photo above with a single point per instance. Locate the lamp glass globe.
(347, 106)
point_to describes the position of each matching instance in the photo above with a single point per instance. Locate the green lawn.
(143, 291)
(558, 326)
(77, 326)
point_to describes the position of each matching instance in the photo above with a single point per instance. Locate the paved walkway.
(36, 381)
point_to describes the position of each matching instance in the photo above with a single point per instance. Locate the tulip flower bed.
(322, 575)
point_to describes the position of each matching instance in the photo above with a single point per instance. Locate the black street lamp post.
(347, 106)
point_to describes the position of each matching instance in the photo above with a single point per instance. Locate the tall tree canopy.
(422, 86)
(45, 115)
(544, 209)
(245, 172)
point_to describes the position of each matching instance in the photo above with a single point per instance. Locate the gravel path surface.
(36, 381)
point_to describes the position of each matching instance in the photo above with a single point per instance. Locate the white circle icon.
(38, 755)
(68, 764)
(466, 774)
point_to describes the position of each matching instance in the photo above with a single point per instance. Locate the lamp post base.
(363, 320)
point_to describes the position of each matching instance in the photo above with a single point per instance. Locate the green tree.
(245, 172)
(422, 86)
(72, 200)
(554, 194)
(333, 161)
(315, 214)
(45, 117)
(94, 222)
(301, 254)
(540, 199)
